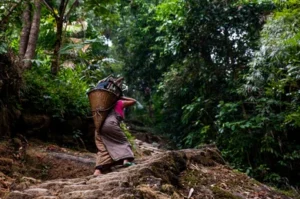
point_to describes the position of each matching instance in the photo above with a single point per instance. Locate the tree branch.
(65, 7)
(73, 5)
(51, 9)
(61, 9)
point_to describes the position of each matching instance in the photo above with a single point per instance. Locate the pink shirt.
(119, 108)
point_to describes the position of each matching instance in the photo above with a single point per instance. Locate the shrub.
(59, 96)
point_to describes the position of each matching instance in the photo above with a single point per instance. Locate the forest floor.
(34, 169)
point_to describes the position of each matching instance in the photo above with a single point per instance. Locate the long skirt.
(113, 146)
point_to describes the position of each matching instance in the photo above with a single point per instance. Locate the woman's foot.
(126, 163)
(97, 172)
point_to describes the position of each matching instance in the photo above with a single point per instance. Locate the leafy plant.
(64, 95)
(267, 106)
(129, 136)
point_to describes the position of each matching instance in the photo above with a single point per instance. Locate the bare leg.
(97, 172)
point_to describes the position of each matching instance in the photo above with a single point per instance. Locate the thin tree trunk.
(34, 33)
(59, 31)
(56, 55)
(26, 23)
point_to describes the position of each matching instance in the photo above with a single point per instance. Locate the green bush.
(60, 96)
(129, 136)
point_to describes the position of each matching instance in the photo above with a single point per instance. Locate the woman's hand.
(127, 101)
(127, 98)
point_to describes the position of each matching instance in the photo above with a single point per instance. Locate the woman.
(113, 146)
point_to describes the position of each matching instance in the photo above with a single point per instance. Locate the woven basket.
(101, 102)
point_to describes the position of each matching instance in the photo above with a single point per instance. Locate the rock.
(54, 185)
(168, 188)
(70, 188)
(147, 192)
(30, 180)
(162, 175)
(26, 182)
(35, 192)
(86, 194)
(19, 195)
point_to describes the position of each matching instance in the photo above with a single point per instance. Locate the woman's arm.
(127, 101)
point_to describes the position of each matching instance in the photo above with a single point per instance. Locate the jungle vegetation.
(222, 72)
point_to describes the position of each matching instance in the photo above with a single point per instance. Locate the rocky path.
(159, 174)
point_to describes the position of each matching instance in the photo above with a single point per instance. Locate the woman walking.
(113, 146)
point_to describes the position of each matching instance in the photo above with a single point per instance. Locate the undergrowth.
(129, 136)
(60, 96)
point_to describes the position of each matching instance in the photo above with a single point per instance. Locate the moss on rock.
(222, 194)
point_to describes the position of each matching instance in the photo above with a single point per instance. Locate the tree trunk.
(59, 30)
(26, 23)
(56, 55)
(34, 33)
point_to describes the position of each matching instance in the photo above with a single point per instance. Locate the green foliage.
(194, 56)
(269, 103)
(213, 43)
(3, 48)
(171, 17)
(61, 96)
(129, 136)
(47, 33)
(223, 72)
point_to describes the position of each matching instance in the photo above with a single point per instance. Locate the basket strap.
(98, 110)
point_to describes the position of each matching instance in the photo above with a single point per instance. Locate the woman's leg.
(102, 169)
(97, 172)
(103, 157)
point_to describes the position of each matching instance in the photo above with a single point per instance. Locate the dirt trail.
(161, 174)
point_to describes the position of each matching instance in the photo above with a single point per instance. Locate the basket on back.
(102, 100)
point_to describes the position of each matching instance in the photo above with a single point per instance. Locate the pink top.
(119, 108)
